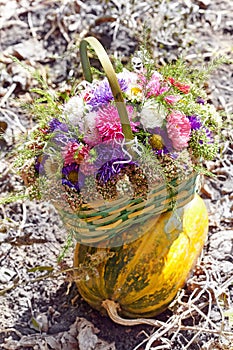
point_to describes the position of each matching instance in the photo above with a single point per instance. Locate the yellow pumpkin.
(144, 276)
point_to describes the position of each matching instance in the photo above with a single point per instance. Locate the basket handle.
(111, 76)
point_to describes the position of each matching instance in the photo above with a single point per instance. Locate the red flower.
(87, 96)
(180, 86)
(44, 130)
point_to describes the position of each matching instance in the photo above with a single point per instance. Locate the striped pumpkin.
(144, 276)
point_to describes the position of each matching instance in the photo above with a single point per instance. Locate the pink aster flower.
(171, 99)
(108, 122)
(153, 86)
(178, 129)
(74, 153)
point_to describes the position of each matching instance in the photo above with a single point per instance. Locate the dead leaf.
(31, 49)
(3, 126)
(87, 338)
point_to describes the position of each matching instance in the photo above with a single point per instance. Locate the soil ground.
(40, 311)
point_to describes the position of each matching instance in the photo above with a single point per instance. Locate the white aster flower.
(74, 111)
(91, 133)
(152, 115)
(89, 122)
(129, 77)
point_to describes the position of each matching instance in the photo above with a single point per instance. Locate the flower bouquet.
(122, 149)
(120, 160)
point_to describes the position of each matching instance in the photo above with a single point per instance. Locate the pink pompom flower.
(178, 129)
(108, 122)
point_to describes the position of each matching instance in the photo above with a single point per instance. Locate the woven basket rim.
(104, 206)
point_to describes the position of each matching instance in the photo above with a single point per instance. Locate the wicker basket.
(108, 223)
(113, 223)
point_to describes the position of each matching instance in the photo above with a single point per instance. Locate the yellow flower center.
(73, 176)
(136, 90)
(156, 141)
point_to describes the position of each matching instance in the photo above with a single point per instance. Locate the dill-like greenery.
(181, 71)
(13, 198)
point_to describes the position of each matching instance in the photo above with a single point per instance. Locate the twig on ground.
(8, 330)
(24, 219)
(15, 122)
(32, 29)
(8, 94)
(210, 287)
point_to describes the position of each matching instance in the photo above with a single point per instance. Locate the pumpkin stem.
(112, 309)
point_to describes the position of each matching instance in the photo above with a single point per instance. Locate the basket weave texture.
(101, 220)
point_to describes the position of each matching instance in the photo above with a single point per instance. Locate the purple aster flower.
(55, 124)
(39, 164)
(112, 168)
(103, 94)
(200, 100)
(195, 122)
(72, 177)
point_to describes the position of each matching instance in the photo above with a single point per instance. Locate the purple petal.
(195, 122)
(55, 124)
